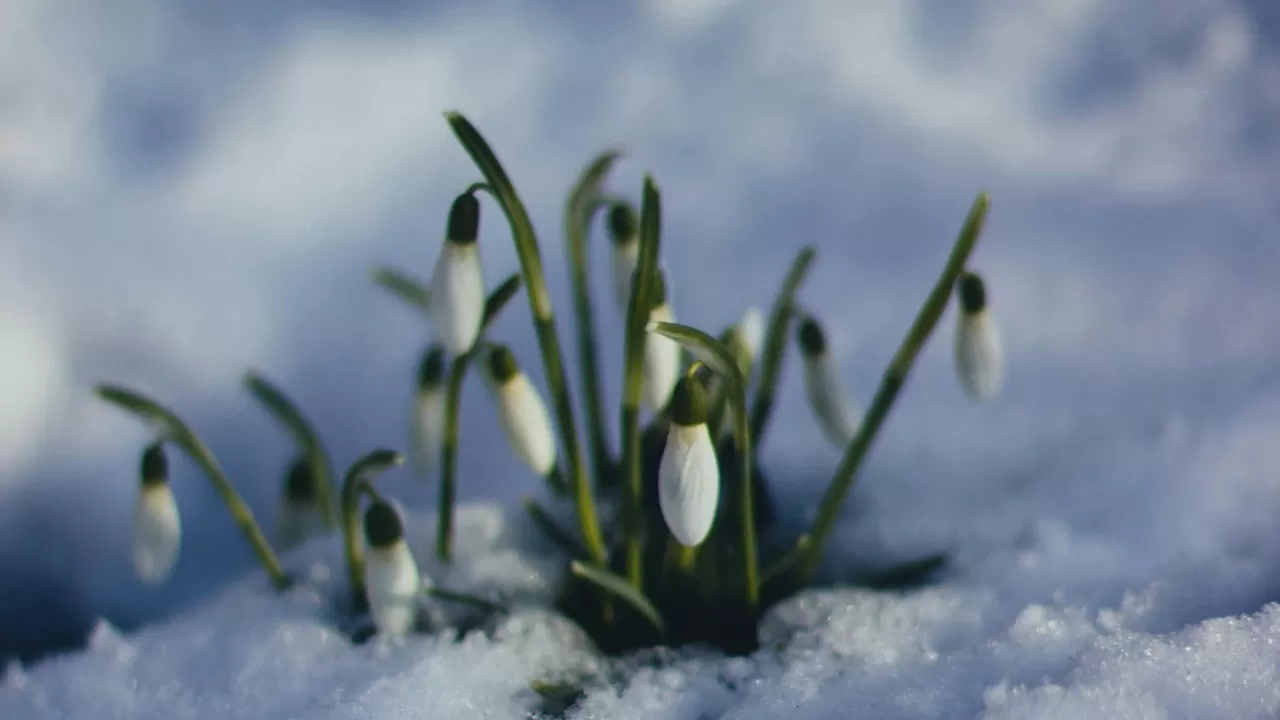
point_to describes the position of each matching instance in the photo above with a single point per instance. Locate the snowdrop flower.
(979, 352)
(661, 354)
(689, 474)
(623, 228)
(391, 577)
(427, 424)
(157, 528)
(743, 340)
(299, 518)
(830, 404)
(750, 332)
(457, 283)
(522, 412)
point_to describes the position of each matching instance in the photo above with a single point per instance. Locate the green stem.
(305, 436)
(579, 212)
(358, 479)
(449, 457)
(633, 378)
(172, 427)
(895, 377)
(526, 243)
(775, 343)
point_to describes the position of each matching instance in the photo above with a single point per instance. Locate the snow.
(190, 191)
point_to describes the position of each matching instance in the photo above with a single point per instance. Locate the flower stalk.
(359, 481)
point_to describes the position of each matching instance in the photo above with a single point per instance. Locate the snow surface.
(192, 189)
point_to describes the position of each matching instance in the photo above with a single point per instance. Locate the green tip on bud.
(813, 341)
(464, 219)
(973, 293)
(300, 483)
(502, 364)
(622, 223)
(155, 465)
(431, 369)
(382, 526)
(689, 402)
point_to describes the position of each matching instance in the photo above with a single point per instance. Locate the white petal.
(661, 364)
(157, 534)
(979, 355)
(296, 523)
(392, 583)
(457, 296)
(427, 431)
(625, 257)
(751, 330)
(830, 403)
(526, 423)
(689, 483)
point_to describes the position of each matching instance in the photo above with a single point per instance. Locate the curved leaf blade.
(411, 290)
(618, 587)
(288, 414)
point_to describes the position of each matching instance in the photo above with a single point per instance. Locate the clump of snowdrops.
(666, 548)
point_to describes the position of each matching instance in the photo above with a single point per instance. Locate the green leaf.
(410, 290)
(775, 343)
(358, 476)
(788, 560)
(618, 587)
(170, 427)
(558, 535)
(465, 599)
(304, 435)
(498, 299)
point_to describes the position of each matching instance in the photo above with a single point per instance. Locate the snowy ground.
(190, 192)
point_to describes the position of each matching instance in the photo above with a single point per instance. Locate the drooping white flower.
(623, 230)
(426, 426)
(521, 412)
(689, 473)
(661, 354)
(457, 282)
(299, 517)
(743, 340)
(979, 353)
(157, 526)
(829, 402)
(391, 578)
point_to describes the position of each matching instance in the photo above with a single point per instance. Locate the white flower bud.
(625, 252)
(979, 353)
(689, 473)
(750, 331)
(391, 578)
(661, 363)
(828, 400)
(298, 518)
(457, 282)
(157, 526)
(426, 426)
(522, 412)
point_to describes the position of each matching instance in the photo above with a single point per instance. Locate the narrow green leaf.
(359, 478)
(788, 560)
(412, 291)
(287, 413)
(775, 343)
(498, 299)
(618, 587)
(638, 310)
(716, 356)
(169, 426)
(895, 377)
(465, 599)
(559, 536)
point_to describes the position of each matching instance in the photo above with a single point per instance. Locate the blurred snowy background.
(191, 189)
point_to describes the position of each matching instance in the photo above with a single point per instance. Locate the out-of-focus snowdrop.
(457, 283)
(743, 340)
(391, 577)
(623, 229)
(157, 527)
(427, 422)
(661, 353)
(830, 403)
(521, 411)
(689, 474)
(979, 352)
(299, 517)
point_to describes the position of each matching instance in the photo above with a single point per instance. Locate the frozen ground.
(187, 191)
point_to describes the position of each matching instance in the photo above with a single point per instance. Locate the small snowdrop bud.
(427, 422)
(457, 283)
(661, 354)
(522, 412)
(623, 228)
(391, 576)
(978, 349)
(157, 527)
(828, 400)
(689, 474)
(743, 340)
(750, 331)
(299, 518)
